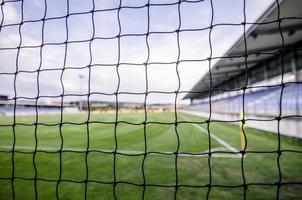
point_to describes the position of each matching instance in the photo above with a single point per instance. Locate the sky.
(194, 45)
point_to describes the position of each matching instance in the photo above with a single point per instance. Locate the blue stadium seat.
(262, 102)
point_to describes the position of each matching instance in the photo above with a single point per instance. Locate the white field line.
(220, 141)
(128, 152)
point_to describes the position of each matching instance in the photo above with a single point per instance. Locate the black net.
(220, 95)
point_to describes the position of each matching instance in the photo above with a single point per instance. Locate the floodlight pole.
(81, 76)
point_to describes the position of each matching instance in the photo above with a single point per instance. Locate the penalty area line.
(126, 152)
(219, 140)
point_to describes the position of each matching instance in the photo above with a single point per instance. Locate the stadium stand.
(260, 72)
(264, 102)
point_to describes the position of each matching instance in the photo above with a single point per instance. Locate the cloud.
(11, 13)
(105, 54)
(8, 40)
(104, 78)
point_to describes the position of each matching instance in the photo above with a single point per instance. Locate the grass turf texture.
(158, 169)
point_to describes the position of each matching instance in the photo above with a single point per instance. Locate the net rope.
(178, 95)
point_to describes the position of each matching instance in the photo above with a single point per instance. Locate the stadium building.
(9, 107)
(263, 69)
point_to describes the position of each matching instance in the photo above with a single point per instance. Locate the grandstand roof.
(263, 40)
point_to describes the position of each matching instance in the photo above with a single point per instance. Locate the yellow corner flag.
(242, 125)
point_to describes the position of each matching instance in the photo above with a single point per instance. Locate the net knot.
(278, 184)
(282, 85)
(278, 118)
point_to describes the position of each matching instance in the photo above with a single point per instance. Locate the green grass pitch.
(158, 169)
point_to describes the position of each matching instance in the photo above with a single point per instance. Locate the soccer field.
(68, 176)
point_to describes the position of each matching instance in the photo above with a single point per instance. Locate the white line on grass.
(220, 141)
(128, 152)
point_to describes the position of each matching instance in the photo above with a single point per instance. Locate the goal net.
(150, 99)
